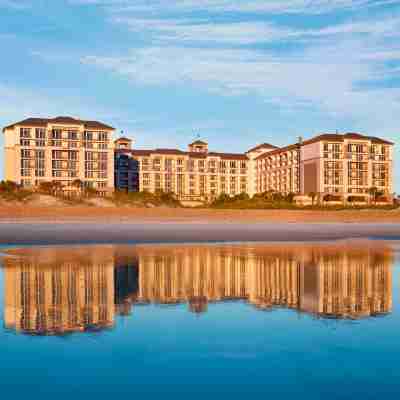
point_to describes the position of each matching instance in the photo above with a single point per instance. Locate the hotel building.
(61, 149)
(193, 175)
(64, 149)
(329, 164)
(343, 166)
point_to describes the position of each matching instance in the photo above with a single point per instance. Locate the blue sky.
(236, 72)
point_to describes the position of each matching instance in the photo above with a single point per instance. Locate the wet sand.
(175, 232)
(28, 213)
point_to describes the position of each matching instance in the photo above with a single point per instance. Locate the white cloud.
(268, 6)
(318, 78)
(238, 33)
(15, 4)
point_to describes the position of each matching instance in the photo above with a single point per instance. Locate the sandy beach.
(56, 214)
(61, 225)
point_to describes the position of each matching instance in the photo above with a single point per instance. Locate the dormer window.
(198, 147)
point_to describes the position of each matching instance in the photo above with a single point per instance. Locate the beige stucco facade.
(343, 166)
(193, 175)
(61, 149)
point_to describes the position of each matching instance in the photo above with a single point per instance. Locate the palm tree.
(373, 192)
(313, 195)
(77, 183)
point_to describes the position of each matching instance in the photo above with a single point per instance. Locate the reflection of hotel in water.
(55, 291)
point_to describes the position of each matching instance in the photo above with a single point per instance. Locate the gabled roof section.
(177, 152)
(42, 123)
(262, 146)
(229, 156)
(123, 139)
(199, 142)
(279, 150)
(335, 137)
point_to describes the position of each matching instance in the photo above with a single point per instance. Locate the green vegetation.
(276, 200)
(10, 191)
(146, 199)
(266, 200)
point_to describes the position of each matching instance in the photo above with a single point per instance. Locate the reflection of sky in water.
(232, 350)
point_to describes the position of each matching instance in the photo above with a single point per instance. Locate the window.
(72, 135)
(102, 166)
(168, 163)
(25, 153)
(56, 134)
(25, 164)
(39, 163)
(88, 145)
(87, 135)
(103, 136)
(56, 164)
(72, 155)
(71, 164)
(40, 133)
(57, 154)
(25, 133)
(24, 142)
(89, 155)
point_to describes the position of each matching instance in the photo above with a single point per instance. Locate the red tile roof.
(262, 146)
(199, 142)
(177, 152)
(327, 137)
(278, 151)
(332, 137)
(42, 122)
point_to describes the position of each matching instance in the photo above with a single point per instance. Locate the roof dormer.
(123, 143)
(198, 146)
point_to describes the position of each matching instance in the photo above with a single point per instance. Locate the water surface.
(178, 321)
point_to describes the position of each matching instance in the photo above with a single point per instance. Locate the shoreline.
(173, 232)
(84, 214)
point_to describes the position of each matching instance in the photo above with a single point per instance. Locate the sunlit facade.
(193, 175)
(61, 149)
(342, 166)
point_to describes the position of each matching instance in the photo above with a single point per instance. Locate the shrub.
(332, 197)
(10, 191)
(355, 199)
